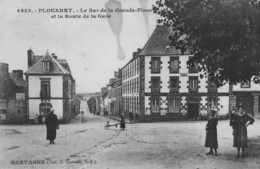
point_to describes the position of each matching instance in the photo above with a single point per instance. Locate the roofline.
(60, 66)
(34, 64)
(158, 55)
(130, 61)
(57, 74)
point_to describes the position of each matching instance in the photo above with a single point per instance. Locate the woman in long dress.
(52, 125)
(122, 123)
(211, 134)
(240, 123)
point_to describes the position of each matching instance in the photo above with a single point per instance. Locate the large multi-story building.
(50, 85)
(158, 84)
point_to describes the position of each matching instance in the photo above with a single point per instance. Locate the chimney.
(19, 73)
(30, 57)
(135, 54)
(54, 56)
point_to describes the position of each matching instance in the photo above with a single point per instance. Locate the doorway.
(193, 110)
(247, 102)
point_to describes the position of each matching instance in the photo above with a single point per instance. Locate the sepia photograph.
(129, 84)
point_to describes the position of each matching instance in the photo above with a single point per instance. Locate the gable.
(56, 67)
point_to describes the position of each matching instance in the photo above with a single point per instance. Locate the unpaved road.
(142, 145)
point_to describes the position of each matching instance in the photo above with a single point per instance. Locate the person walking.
(211, 134)
(122, 123)
(52, 124)
(240, 123)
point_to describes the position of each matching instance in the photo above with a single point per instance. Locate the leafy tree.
(223, 35)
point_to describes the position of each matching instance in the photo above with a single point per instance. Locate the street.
(141, 145)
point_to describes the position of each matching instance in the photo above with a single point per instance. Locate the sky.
(90, 45)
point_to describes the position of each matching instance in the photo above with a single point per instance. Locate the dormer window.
(46, 66)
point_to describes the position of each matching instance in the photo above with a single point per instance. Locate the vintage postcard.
(98, 84)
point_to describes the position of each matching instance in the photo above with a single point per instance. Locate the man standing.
(52, 124)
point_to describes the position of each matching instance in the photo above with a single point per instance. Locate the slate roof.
(56, 67)
(19, 81)
(36, 58)
(64, 63)
(158, 42)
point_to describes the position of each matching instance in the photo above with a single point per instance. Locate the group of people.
(239, 121)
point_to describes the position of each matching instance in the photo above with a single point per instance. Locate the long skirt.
(240, 137)
(51, 134)
(211, 139)
(122, 125)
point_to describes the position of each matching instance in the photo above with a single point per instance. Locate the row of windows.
(131, 104)
(174, 104)
(131, 86)
(173, 65)
(174, 84)
(131, 69)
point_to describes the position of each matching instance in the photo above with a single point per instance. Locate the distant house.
(13, 89)
(50, 85)
(115, 94)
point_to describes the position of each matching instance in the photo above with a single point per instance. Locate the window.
(193, 83)
(174, 105)
(174, 65)
(212, 103)
(193, 67)
(155, 105)
(137, 84)
(245, 84)
(138, 65)
(212, 85)
(174, 83)
(46, 66)
(156, 65)
(155, 83)
(45, 89)
(45, 108)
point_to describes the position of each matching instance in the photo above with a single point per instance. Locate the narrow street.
(87, 144)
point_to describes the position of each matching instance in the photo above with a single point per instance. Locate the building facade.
(13, 90)
(50, 85)
(115, 94)
(246, 94)
(159, 85)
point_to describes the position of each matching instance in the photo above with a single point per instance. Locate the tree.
(223, 35)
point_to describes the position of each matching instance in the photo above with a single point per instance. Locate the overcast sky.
(89, 45)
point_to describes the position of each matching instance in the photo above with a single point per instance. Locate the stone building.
(50, 85)
(159, 85)
(12, 96)
(115, 94)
